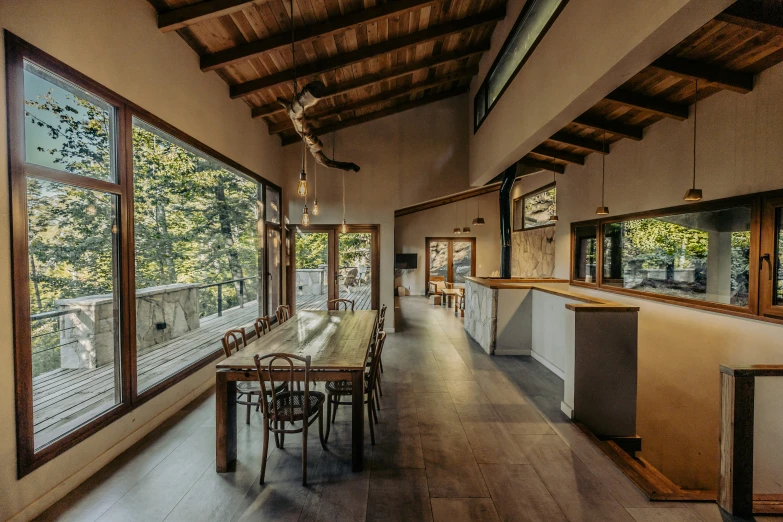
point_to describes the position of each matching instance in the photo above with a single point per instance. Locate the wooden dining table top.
(335, 340)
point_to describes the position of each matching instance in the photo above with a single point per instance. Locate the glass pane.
(439, 259)
(463, 254)
(519, 214)
(74, 306)
(701, 255)
(67, 128)
(272, 206)
(539, 208)
(480, 105)
(584, 253)
(779, 257)
(312, 270)
(355, 268)
(197, 249)
(274, 245)
(527, 33)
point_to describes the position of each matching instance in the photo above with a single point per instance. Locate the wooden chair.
(262, 325)
(288, 406)
(459, 303)
(283, 313)
(233, 341)
(337, 389)
(434, 284)
(334, 304)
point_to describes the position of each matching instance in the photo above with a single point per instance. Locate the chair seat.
(254, 387)
(344, 387)
(286, 402)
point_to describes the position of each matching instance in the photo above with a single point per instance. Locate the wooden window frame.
(539, 190)
(16, 52)
(762, 230)
(450, 240)
(483, 90)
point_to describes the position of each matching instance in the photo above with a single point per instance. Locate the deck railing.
(240, 293)
(44, 327)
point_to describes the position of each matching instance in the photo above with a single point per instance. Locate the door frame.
(450, 240)
(332, 260)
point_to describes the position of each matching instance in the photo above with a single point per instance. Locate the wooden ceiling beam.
(387, 75)
(675, 111)
(320, 131)
(765, 16)
(364, 53)
(612, 127)
(246, 51)
(194, 13)
(541, 165)
(577, 141)
(562, 155)
(405, 90)
(718, 76)
(447, 200)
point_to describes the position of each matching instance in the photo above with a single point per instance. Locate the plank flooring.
(361, 296)
(462, 436)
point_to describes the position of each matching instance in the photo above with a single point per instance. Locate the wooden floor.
(359, 294)
(462, 436)
(65, 398)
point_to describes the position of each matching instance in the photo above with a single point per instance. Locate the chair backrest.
(450, 286)
(283, 313)
(376, 359)
(262, 325)
(437, 278)
(266, 374)
(334, 304)
(237, 338)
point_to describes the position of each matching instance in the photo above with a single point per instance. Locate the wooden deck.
(64, 399)
(360, 294)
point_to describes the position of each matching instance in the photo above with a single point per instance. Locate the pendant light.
(457, 230)
(694, 194)
(466, 228)
(478, 220)
(344, 226)
(316, 211)
(554, 217)
(301, 188)
(603, 209)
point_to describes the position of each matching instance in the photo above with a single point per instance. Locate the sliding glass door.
(454, 259)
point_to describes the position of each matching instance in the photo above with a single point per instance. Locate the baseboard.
(568, 410)
(59, 491)
(549, 366)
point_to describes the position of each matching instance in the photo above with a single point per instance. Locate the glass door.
(355, 268)
(462, 265)
(311, 276)
(273, 250)
(771, 268)
(450, 258)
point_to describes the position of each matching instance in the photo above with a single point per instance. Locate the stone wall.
(533, 253)
(176, 305)
(481, 314)
(311, 281)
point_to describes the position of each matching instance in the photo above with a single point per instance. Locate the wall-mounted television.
(405, 261)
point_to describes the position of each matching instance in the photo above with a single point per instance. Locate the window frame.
(483, 89)
(16, 52)
(755, 291)
(523, 197)
(450, 268)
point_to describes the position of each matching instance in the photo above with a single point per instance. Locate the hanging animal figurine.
(308, 97)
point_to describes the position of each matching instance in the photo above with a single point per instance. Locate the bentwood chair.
(288, 406)
(283, 313)
(334, 304)
(337, 389)
(262, 325)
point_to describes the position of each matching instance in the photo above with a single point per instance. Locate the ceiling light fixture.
(694, 194)
(466, 228)
(457, 230)
(603, 209)
(301, 188)
(316, 210)
(554, 217)
(478, 220)
(344, 226)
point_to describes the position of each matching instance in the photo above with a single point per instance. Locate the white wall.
(593, 47)
(411, 231)
(680, 349)
(407, 158)
(117, 44)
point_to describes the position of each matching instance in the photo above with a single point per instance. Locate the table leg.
(357, 421)
(226, 421)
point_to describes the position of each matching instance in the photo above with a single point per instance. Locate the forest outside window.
(536, 209)
(584, 253)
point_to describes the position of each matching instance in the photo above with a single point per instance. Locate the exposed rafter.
(380, 114)
(612, 127)
(541, 165)
(691, 70)
(759, 15)
(568, 157)
(646, 103)
(405, 90)
(306, 34)
(364, 53)
(389, 74)
(577, 141)
(195, 13)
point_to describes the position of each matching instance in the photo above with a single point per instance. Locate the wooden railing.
(735, 489)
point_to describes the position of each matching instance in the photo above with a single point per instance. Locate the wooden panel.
(735, 489)
(199, 12)
(447, 200)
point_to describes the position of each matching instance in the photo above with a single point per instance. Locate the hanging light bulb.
(694, 194)
(466, 228)
(457, 230)
(478, 220)
(554, 217)
(344, 227)
(603, 209)
(305, 217)
(316, 211)
(301, 188)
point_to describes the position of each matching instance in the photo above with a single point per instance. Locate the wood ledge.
(754, 370)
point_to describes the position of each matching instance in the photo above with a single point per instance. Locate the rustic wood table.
(337, 341)
(448, 296)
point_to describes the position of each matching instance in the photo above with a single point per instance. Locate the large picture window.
(134, 248)
(535, 209)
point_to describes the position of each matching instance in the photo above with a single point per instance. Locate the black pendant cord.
(603, 167)
(695, 106)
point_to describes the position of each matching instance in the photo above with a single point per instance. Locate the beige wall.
(680, 349)
(572, 68)
(411, 231)
(407, 158)
(118, 45)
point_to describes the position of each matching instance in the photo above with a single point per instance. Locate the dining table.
(336, 341)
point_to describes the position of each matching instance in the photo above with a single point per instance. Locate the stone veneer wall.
(481, 314)
(533, 253)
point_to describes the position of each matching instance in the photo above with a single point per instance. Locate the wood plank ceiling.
(376, 58)
(724, 54)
